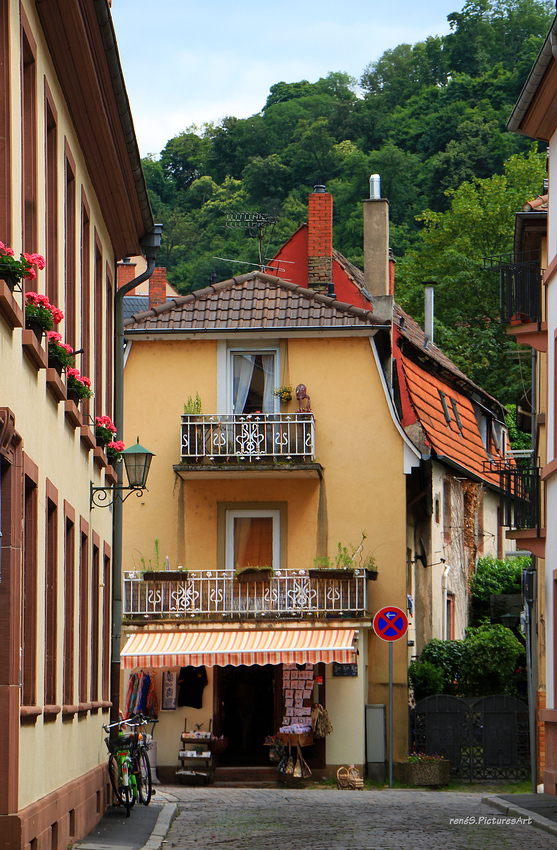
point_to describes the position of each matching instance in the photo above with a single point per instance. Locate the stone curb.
(161, 827)
(515, 811)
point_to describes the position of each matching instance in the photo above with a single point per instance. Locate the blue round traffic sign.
(390, 623)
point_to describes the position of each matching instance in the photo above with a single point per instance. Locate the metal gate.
(484, 738)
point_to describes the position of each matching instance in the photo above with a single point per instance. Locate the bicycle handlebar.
(136, 720)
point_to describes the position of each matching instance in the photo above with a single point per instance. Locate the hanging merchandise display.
(321, 722)
(141, 695)
(191, 683)
(169, 691)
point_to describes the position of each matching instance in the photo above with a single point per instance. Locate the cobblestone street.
(314, 819)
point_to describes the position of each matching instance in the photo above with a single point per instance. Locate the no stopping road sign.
(390, 623)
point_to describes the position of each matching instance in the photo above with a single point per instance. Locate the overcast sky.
(190, 62)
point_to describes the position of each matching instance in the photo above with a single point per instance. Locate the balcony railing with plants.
(247, 437)
(211, 594)
(520, 285)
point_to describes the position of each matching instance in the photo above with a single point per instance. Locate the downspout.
(150, 244)
(446, 572)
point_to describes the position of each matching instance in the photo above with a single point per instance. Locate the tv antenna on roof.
(255, 223)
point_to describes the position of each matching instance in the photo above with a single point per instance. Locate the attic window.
(456, 414)
(496, 435)
(445, 407)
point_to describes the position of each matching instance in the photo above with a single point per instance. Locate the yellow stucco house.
(252, 480)
(72, 192)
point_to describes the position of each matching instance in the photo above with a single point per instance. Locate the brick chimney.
(126, 272)
(320, 240)
(157, 287)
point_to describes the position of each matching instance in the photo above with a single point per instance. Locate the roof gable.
(254, 301)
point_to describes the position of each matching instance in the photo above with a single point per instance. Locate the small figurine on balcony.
(301, 394)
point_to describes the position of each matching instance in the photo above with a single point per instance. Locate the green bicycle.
(128, 763)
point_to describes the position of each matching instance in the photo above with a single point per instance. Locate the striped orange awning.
(219, 648)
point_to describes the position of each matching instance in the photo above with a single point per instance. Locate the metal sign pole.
(390, 624)
(390, 715)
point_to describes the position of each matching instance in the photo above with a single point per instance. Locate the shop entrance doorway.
(245, 712)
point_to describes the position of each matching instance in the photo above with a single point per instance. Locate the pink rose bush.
(80, 383)
(22, 268)
(38, 307)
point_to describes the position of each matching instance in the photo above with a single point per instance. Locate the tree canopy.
(430, 118)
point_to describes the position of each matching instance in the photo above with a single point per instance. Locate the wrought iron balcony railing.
(520, 284)
(216, 593)
(248, 436)
(520, 483)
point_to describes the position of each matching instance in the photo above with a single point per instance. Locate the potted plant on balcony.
(114, 450)
(421, 769)
(40, 314)
(284, 393)
(13, 271)
(79, 386)
(347, 560)
(105, 430)
(60, 354)
(253, 572)
(192, 409)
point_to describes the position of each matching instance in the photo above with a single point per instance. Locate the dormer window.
(496, 432)
(456, 414)
(445, 407)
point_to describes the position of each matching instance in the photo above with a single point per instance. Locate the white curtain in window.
(243, 371)
(268, 363)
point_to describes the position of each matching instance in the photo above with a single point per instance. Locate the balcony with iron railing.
(520, 276)
(520, 492)
(216, 594)
(269, 442)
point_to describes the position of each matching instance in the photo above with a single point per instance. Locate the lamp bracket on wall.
(100, 496)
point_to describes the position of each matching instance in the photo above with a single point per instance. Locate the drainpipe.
(446, 572)
(150, 245)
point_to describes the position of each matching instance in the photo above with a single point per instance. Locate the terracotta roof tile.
(250, 301)
(463, 447)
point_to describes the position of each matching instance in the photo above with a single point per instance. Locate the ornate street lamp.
(137, 461)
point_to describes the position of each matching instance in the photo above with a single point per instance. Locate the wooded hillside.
(430, 119)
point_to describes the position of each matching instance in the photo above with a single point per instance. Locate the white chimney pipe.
(375, 187)
(429, 305)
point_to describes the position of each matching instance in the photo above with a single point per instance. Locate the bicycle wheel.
(133, 789)
(144, 778)
(127, 798)
(121, 791)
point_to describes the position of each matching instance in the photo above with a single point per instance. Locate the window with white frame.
(253, 377)
(252, 538)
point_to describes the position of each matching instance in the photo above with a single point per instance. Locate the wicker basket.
(348, 778)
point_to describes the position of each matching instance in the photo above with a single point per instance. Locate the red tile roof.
(252, 301)
(462, 447)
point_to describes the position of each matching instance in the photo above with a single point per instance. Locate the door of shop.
(245, 712)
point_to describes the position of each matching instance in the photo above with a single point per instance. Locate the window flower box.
(165, 575)
(249, 575)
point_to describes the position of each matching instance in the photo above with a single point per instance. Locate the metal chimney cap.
(319, 189)
(375, 187)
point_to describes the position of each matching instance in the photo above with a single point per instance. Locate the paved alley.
(310, 819)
